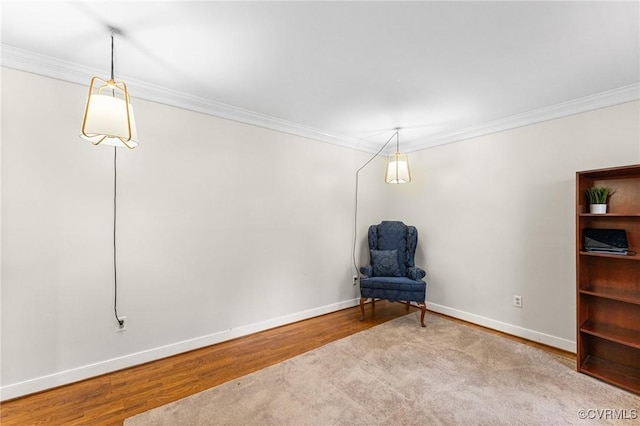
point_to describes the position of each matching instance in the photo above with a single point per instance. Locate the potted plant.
(598, 196)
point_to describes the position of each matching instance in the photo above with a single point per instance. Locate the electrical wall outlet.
(123, 327)
(517, 301)
(355, 280)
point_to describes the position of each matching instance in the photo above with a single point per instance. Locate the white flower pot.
(598, 208)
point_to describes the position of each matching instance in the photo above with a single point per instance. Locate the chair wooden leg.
(423, 308)
(362, 300)
(407, 306)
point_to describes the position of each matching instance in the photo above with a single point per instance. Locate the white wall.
(496, 219)
(223, 229)
(214, 242)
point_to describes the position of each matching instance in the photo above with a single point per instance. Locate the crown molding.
(24, 60)
(28, 61)
(575, 106)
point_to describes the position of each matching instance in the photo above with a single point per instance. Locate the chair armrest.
(416, 273)
(366, 271)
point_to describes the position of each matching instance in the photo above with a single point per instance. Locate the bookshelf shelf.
(631, 257)
(620, 375)
(620, 294)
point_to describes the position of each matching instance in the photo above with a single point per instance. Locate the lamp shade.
(398, 169)
(108, 117)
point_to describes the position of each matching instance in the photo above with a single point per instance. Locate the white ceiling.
(345, 72)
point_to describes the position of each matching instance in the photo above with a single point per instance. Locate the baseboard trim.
(525, 333)
(92, 370)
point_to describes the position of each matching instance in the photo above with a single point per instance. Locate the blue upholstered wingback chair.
(392, 274)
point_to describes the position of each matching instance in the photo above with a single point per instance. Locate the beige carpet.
(401, 373)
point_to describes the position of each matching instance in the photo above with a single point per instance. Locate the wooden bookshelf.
(608, 285)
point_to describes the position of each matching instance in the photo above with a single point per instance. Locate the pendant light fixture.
(108, 120)
(398, 165)
(108, 116)
(397, 172)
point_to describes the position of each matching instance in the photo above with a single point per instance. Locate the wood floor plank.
(111, 398)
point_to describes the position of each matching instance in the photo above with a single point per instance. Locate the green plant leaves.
(598, 194)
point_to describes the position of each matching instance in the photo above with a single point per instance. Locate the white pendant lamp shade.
(398, 169)
(108, 117)
(110, 121)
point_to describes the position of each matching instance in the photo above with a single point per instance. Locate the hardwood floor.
(109, 399)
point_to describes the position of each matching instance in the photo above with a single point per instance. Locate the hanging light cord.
(112, 31)
(115, 264)
(115, 198)
(355, 213)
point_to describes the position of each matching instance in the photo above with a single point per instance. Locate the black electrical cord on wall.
(115, 263)
(115, 199)
(355, 213)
